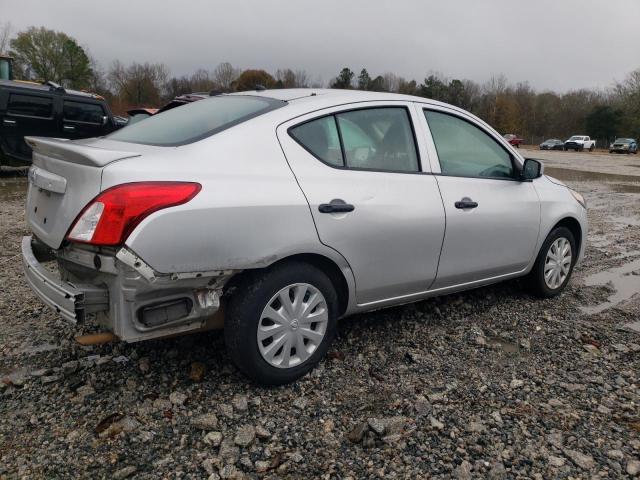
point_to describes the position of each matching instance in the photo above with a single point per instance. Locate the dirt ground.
(487, 383)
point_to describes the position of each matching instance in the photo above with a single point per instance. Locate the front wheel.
(554, 264)
(280, 322)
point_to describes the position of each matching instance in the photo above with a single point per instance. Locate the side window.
(321, 138)
(379, 139)
(82, 112)
(30, 106)
(465, 150)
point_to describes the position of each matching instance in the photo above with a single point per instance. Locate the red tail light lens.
(111, 216)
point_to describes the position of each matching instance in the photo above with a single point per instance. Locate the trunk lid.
(64, 178)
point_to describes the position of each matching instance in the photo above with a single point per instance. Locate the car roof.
(291, 94)
(310, 99)
(44, 88)
(302, 101)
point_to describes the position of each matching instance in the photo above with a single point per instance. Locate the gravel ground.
(488, 383)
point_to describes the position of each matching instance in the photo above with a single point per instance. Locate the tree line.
(43, 55)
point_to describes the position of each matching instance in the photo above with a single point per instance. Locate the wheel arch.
(328, 266)
(574, 227)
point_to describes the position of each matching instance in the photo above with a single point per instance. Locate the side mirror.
(531, 169)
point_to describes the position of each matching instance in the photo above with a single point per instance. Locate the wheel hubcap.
(558, 263)
(292, 325)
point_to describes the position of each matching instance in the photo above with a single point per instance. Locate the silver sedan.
(275, 213)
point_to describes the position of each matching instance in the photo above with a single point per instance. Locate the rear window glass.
(195, 121)
(30, 106)
(83, 112)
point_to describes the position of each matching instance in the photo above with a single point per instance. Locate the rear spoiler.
(68, 151)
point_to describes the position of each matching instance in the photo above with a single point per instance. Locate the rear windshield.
(195, 121)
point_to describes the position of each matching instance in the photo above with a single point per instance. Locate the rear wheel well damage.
(324, 264)
(574, 227)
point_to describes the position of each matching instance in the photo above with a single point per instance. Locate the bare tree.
(301, 79)
(391, 82)
(139, 83)
(224, 75)
(5, 35)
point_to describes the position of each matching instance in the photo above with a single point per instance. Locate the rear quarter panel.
(249, 213)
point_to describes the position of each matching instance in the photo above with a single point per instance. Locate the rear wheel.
(592, 148)
(554, 264)
(280, 322)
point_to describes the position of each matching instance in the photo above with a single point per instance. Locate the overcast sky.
(552, 44)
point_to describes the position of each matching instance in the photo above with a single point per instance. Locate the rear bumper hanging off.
(73, 302)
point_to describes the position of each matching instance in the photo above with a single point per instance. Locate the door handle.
(69, 128)
(336, 206)
(9, 123)
(465, 203)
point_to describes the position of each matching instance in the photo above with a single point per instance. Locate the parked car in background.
(513, 139)
(140, 113)
(185, 99)
(580, 143)
(282, 206)
(624, 145)
(552, 144)
(47, 110)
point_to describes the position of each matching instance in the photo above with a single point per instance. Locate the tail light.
(112, 215)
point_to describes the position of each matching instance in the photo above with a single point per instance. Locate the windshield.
(623, 140)
(195, 121)
(576, 137)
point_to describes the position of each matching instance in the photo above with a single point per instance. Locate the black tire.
(592, 148)
(535, 280)
(243, 313)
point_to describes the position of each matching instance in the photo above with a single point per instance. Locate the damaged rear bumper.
(124, 294)
(72, 302)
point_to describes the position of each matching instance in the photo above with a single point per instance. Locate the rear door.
(83, 119)
(371, 194)
(26, 114)
(493, 219)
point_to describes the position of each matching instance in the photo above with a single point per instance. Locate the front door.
(371, 201)
(493, 219)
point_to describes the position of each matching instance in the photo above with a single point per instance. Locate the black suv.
(47, 110)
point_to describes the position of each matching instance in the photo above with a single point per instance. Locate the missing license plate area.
(165, 312)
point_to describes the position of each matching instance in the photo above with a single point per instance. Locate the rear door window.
(364, 139)
(378, 139)
(83, 112)
(320, 137)
(30, 106)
